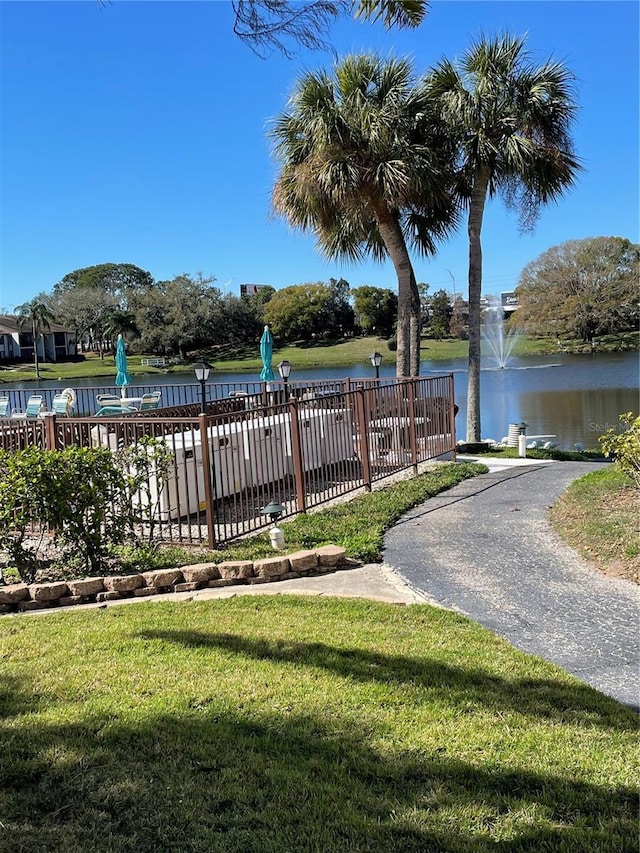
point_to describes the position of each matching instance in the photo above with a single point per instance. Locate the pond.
(574, 397)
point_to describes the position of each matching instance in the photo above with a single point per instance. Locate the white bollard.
(276, 535)
(522, 446)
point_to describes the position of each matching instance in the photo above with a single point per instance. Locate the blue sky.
(137, 133)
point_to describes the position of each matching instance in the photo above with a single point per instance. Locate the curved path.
(485, 548)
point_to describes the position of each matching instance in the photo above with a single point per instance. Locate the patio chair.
(149, 401)
(34, 407)
(61, 405)
(5, 407)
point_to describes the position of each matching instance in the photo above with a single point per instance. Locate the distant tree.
(364, 167)
(242, 318)
(301, 312)
(511, 120)
(122, 281)
(38, 315)
(267, 25)
(183, 314)
(581, 288)
(122, 323)
(376, 309)
(457, 322)
(87, 311)
(343, 319)
(440, 312)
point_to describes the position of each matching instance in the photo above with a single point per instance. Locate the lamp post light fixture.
(276, 535)
(284, 369)
(202, 370)
(376, 361)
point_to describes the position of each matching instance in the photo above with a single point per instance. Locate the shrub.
(622, 444)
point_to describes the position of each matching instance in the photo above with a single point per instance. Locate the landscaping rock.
(107, 596)
(302, 561)
(69, 600)
(200, 573)
(145, 591)
(226, 582)
(271, 567)
(163, 578)
(331, 556)
(13, 593)
(123, 583)
(234, 569)
(187, 587)
(48, 591)
(86, 586)
(32, 605)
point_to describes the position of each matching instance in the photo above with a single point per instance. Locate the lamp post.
(376, 361)
(202, 370)
(284, 369)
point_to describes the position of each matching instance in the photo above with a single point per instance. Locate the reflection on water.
(576, 398)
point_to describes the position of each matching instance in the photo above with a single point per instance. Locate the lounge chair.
(61, 405)
(5, 407)
(149, 401)
(34, 407)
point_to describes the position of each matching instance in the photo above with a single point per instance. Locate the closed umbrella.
(122, 376)
(266, 352)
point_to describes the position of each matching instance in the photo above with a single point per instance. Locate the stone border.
(20, 597)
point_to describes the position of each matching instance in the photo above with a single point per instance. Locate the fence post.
(411, 411)
(209, 482)
(296, 452)
(50, 432)
(362, 420)
(452, 417)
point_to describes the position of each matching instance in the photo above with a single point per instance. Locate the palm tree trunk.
(394, 242)
(415, 327)
(476, 212)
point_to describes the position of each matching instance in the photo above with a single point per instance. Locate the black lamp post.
(376, 361)
(202, 370)
(284, 369)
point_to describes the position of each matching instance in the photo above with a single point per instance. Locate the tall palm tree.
(511, 119)
(365, 168)
(39, 315)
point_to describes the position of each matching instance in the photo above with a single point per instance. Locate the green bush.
(622, 444)
(84, 501)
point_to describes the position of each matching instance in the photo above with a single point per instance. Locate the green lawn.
(273, 724)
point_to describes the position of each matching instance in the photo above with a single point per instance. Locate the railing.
(301, 453)
(181, 394)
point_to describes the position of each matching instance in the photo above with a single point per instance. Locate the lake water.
(574, 397)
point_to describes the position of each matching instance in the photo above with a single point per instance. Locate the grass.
(333, 354)
(273, 724)
(598, 516)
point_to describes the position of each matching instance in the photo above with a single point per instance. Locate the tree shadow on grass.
(574, 703)
(210, 779)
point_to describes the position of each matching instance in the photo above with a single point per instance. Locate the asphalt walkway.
(485, 548)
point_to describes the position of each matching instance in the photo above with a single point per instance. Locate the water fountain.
(500, 341)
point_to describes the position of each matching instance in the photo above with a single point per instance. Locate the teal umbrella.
(266, 351)
(122, 376)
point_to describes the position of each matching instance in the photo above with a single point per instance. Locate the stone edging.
(39, 596)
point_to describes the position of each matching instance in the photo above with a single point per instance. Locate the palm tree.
(365, 168)
(39, 315)
(511, 119)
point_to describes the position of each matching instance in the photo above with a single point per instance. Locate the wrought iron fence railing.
(220, 469)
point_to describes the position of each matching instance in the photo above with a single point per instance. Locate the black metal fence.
(217, 471)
